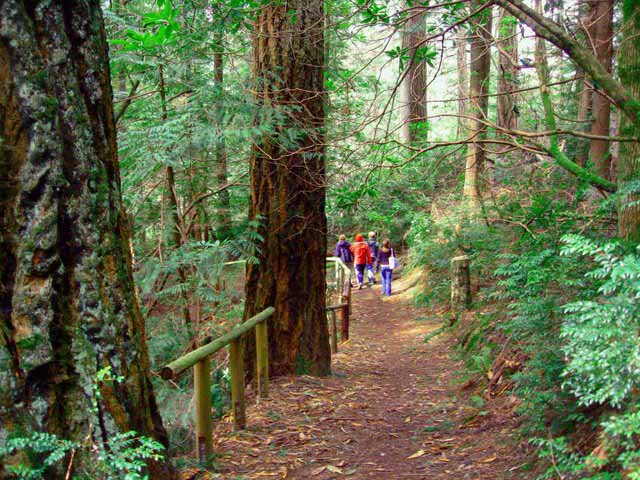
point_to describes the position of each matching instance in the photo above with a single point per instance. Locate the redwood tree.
(462, 63)
(288, 186)
(68, 307)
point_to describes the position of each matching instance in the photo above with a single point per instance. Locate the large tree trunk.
(629, 156)
(462, 60)
(288, 183)
(67, 299)
(415, 82)
(507, 117)
(479, 86)
(603, 46)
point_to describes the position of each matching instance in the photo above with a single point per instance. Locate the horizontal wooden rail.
(199, 359)
(337, 307)
(178, 366)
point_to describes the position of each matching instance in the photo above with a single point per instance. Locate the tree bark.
(603, 45)
(415, 82)
(629, 155)
(288, 183)
(507, 117)
(479, 86)
(460, 284)
(584, 112)
(67, 299)
(462, 60)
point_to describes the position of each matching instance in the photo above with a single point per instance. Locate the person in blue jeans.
(374, 266)
(385, 270)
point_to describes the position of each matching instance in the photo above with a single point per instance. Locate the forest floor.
(394, 408)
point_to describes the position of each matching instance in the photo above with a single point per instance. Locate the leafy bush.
(435, 242)
(597, 359)
(601, 335)
(126, 458)
(536, 285)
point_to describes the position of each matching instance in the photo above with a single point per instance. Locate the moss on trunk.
(66, 285)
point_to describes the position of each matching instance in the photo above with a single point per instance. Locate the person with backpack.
(343, 252)
(385, 261)
(374, 266)
(361, 257)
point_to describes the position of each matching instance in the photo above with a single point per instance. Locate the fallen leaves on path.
(389, 411)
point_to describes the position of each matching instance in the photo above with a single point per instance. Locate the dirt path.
(392, 410)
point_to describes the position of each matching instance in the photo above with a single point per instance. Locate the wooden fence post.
(334, 332)
(262, 360)
(236, 364)
(202, 398)
(460, 285)
(346, 296)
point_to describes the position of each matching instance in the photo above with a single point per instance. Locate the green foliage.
(536, 283)
(575, 315)
(42, 449)
(373, 12)
(426, 53)
(435, 242)
(574, 321)
(600, 334)
(126, 458)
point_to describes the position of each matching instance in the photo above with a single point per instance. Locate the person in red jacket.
(361, 257)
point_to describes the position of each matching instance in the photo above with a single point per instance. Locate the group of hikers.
(370, 257)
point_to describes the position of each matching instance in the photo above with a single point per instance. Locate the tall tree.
(479, 87)
(288, 183)
(507, 117)
(603, 47)
(585, 102)
(67, 301)
(629, 156)
(462, 61)
(415, 81)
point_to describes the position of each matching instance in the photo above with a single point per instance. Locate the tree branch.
(554, 33)
(128, 100)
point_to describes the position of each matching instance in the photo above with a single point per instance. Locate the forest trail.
(391, 410)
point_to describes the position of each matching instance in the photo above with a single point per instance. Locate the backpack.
(346, 254)
(373, 246)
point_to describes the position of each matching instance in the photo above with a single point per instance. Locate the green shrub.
(126, 458)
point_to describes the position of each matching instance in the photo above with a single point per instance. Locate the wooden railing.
(199, 359)
(343, 302)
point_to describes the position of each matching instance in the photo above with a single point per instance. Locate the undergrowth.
(563, 300)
